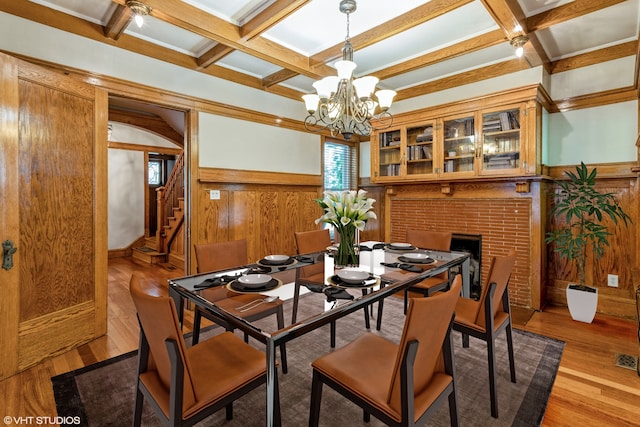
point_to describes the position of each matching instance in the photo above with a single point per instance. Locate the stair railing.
(168, 198)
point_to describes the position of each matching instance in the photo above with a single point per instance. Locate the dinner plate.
(400, 246)
(254, 280)
(416, 256)
(353, 276)
(276, 261)
(276, 258)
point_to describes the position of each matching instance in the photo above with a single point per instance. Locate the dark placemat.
(337, 281)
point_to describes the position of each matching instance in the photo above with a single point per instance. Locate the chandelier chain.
(347, 38)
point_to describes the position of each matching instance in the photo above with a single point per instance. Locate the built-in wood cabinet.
(459, 145)
(408, 151)
(497, 136)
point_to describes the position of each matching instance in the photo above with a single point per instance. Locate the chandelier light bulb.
(139, 10)
(311, 102)
(345, 69)
(385, 98)
(326, 87)
(365, 86)
(518, 42)
(139, 20)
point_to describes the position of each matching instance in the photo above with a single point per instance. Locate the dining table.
(384, 269)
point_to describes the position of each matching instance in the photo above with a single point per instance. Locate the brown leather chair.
(313, 275)
(436, 240)
(401, 385)
(486, 318)
(224, 255)
(172, 377)
(308, 242)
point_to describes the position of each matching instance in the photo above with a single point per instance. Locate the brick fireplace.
(502, 216)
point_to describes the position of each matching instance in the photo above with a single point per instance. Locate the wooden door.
(53, 151)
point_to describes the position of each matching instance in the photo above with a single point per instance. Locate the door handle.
(7, 254)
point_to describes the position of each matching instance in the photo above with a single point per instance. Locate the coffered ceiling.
(414, 46)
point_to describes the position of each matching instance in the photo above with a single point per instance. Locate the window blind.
(340, 166)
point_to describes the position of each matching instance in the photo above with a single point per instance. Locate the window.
(155, 172)
(340, 166)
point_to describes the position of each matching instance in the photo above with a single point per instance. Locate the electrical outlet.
(214, 194)
(612, 280)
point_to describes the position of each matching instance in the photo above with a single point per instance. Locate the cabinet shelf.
(465, 139)
(503, 154)
(502, 133)
(459, 156)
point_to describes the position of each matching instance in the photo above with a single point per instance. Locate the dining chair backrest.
(220, 255)
(159, 322)
(312, 241)
(499, 273)
(437, 240)
(428, 321)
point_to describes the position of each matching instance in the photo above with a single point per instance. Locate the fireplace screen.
(472, 244)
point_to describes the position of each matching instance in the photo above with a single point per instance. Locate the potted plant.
(581, 208)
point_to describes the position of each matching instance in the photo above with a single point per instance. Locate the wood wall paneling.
(619, 258)
(263, 214)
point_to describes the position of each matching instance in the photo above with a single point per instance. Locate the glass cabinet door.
(459, 145)
(501, 140)
(420, 150)
(389, 153)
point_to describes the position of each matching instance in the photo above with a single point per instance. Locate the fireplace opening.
(472, 244)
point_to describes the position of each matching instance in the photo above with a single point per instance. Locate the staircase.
(148, 254)
(167, 246)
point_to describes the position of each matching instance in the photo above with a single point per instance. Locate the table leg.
(466, 281)
(272, 420)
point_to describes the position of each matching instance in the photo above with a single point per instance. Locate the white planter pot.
(582, 304)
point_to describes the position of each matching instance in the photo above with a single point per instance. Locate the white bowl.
(400, 245)
(254, 280)
(353, 276)
(277, 258)
(416, 256)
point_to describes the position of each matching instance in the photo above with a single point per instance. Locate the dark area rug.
(103, 394)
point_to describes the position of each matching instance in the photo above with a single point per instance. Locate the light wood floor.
(589, 389)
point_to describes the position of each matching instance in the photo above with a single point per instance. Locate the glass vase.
(348, 251)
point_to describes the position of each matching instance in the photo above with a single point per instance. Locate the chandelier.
(346, 105)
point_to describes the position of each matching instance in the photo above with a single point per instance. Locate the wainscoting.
(509, 213)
